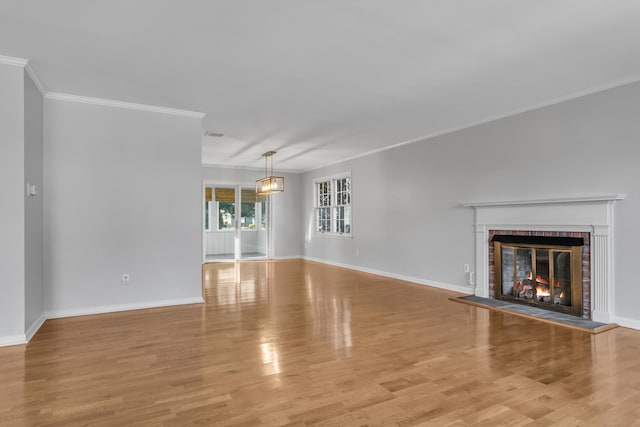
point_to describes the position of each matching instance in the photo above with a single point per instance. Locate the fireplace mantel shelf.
(558, 201)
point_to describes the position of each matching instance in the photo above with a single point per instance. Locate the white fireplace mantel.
(592, 214)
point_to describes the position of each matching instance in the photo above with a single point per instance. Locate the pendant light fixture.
(269, 184)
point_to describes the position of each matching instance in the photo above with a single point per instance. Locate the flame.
(562, 295)
(542, 280)
(541, 292)
(539, 278)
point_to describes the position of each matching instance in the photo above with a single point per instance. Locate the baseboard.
(23, 339)
(56, 314)
(627, 323)
(12, 340)
(432, 283)
(287, 257)
(35, 327)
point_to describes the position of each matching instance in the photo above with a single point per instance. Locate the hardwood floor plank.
(296, 343)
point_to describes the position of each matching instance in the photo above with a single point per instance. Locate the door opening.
(236, 223)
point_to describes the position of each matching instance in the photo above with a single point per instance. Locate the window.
(323, 207)
(226, 215)
(248, 217)
(220, 203)
(253, 210)
(333, 205)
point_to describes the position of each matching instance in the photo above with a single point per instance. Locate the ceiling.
(323, 81)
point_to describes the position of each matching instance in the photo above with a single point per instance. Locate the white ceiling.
(322, 81)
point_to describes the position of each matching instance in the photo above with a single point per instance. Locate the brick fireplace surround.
(590, 217)
(586, 261)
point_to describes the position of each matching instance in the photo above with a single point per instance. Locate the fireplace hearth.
(540, 271)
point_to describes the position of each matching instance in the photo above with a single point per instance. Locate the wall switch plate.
(32, 190)
(466, 268)
(125, 280)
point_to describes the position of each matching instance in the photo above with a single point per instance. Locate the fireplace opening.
(539, 271)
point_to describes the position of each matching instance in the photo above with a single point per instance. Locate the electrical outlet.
(357, 252)
(466, 268)
(125, 280)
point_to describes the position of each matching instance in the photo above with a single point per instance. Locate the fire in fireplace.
(539, 271)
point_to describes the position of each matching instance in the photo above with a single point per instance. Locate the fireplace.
(541, 271)
(589, 217)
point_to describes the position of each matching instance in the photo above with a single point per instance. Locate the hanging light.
(269, 184)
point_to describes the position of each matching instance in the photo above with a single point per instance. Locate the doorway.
(236, 223)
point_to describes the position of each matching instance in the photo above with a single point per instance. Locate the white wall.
(33, 142)
(123, 196)
(286, 220)
(12, 204)
(406, 201)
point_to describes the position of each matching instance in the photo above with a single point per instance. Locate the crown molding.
(35, 79)
(24, 63)
(593, 90)
(16, 62)
(121, 104)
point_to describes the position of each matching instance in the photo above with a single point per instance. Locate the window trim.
(332, 206)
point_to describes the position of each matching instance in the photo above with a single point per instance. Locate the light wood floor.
(293, 343)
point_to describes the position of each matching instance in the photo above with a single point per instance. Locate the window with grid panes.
(333, 206)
